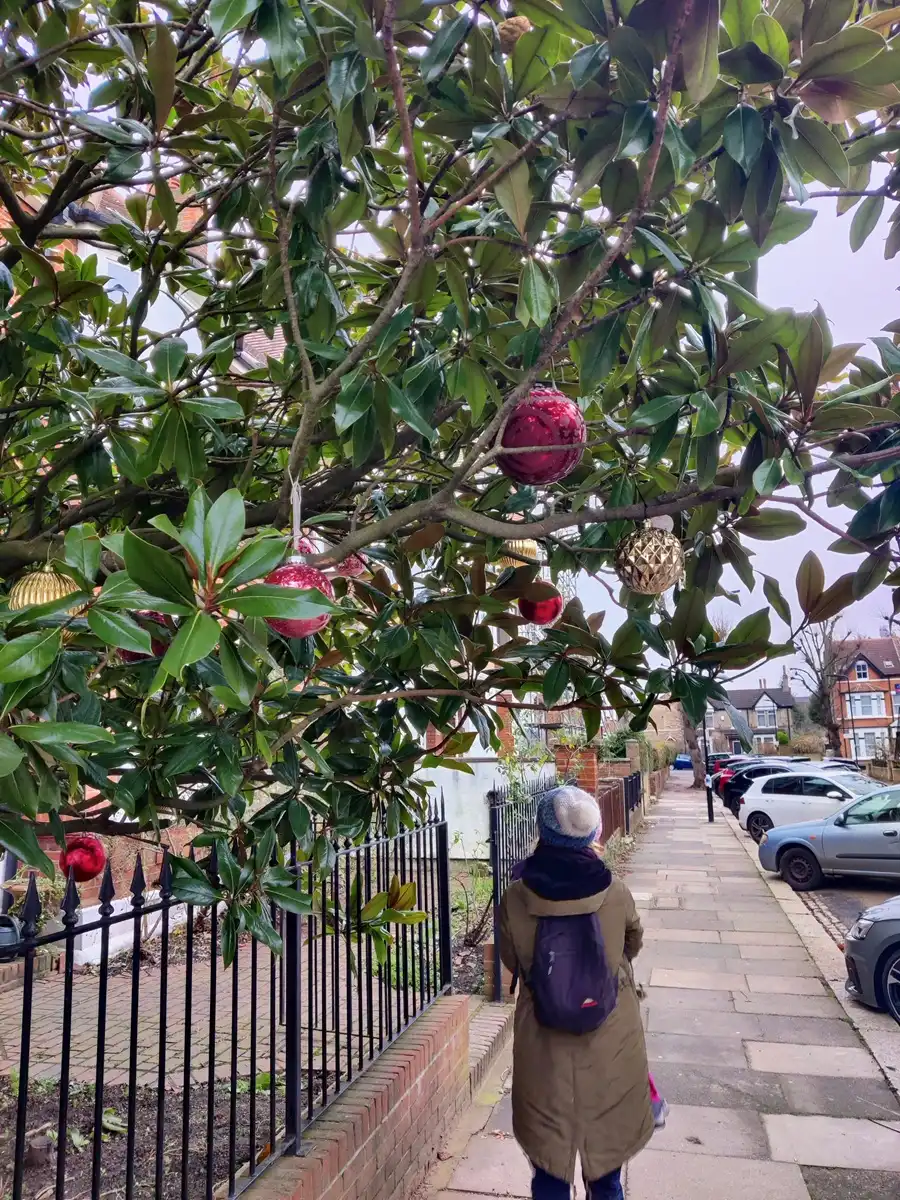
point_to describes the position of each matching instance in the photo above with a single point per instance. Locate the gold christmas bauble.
(649, 561)
(524, 548)
(40, 587)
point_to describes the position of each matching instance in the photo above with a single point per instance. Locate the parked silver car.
(862, 839)
(872, 955)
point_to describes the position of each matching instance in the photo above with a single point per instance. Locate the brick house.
(866, 697)
(767, 710)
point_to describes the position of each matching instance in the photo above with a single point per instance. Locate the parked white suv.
(794, 796)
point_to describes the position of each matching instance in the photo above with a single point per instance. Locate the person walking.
(569, 931)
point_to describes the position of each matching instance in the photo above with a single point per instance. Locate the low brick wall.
(377, 1141)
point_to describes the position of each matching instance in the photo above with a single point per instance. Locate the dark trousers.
(548, 1187)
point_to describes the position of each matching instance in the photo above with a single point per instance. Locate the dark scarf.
(557, 874)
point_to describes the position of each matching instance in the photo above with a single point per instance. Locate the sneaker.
(660, 1113)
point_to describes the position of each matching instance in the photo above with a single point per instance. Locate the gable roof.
(882, 652)
(743, 698)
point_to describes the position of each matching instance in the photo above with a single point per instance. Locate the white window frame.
(760, 741)
(866, 744)
(766, 705)
(861, 666)
(875, 701)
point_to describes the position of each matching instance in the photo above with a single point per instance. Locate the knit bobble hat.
(568, 817)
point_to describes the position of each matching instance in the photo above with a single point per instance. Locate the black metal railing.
(513, 828)
(163, 1073)
(632, 790)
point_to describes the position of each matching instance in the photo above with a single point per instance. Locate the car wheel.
(800, 868)
(758, 824)
(890, 985)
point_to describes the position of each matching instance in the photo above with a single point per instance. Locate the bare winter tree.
(826, 656)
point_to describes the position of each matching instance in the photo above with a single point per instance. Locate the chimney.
(785, 679)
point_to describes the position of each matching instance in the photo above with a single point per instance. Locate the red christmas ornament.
(352, 567)
(304, 546)
(85, 854)
(158, 648)
(295, 574)
(541, 604)
(546, 418)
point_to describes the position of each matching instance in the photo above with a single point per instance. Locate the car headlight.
(860, 928)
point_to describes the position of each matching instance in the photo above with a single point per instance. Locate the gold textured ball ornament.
(649, 561)
(41, 587)
(510, 31)
(524, 548)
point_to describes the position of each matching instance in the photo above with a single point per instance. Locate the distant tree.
(826, 657)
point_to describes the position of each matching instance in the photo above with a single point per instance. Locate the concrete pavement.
(772, 1092)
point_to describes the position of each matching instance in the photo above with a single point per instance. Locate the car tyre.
(800, 868)
(758, 823)
(890, 984)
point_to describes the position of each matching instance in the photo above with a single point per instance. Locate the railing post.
(293, 1076)
(443, 852)
(494, 824)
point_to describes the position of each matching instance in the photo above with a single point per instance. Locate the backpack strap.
(515, 981)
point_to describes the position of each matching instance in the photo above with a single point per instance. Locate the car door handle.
(889, 832)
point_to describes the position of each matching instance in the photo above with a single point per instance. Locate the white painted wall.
(121, 936)
(466, 804)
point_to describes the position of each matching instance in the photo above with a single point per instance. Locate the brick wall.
(377, 1141)
(123, 854)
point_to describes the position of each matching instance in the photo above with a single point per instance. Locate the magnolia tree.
(441, 209)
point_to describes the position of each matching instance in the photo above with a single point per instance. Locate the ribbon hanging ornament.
(295, 573)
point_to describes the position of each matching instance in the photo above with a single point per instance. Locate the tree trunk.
(693, 747)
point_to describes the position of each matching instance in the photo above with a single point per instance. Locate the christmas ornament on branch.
(650, 560)
(546, 418)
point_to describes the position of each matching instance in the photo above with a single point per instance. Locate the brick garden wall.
(377, 1141)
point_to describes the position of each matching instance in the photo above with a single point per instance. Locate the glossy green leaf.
(27, 656)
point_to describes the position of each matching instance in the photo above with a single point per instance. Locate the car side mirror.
(835, 795)
(841, 820)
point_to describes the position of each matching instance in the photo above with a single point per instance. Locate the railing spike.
(138, 884)
(70, 901)
(165, 877)
(107, 891)
(32, 908)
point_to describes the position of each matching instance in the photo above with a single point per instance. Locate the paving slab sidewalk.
(772, 1092)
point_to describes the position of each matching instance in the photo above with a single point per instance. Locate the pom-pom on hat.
(568, 817)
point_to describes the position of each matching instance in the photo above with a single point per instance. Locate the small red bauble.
(298, 575)
(304, 546)
(157, 647)
(541, 605)
(85, 855)
(546, 418)
(352, 567)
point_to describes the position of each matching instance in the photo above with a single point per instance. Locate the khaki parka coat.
(584, 1094)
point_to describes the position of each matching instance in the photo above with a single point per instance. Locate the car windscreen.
(859, 785)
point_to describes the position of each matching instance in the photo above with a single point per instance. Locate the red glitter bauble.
(546, 418)
(352, 567)
(299, 575)
(157, 647)
(304, 546)
(85, 854)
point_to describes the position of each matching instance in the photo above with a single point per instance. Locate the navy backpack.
(571, 983)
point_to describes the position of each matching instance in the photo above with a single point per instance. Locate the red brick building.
(866, 697)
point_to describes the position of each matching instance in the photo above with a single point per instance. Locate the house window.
(764, 741)
(868, 744)
(867, 704)
(765, 715)
(862, 670)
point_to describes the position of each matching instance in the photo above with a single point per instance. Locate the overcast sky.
(859, 295)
